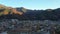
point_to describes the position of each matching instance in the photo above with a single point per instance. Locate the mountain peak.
(22, 9)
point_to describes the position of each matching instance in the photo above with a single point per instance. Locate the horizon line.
(30, 8)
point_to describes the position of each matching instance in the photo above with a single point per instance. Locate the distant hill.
(22, 13)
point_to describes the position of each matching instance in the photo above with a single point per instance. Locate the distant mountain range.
(22, 13)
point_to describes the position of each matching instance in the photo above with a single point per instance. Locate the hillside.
(27, 14)
(8, 10)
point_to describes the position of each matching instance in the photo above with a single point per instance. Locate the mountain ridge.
(27, 14)
(6, 10)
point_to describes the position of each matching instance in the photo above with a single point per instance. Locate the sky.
(32, 4)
